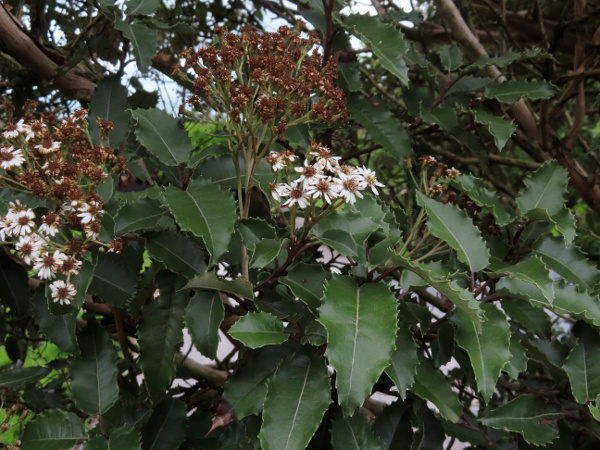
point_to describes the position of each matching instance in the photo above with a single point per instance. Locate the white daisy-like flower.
(22, 224)
(92, 230)
(47, 148)
(14, 130)
(349, 187)
(63, 292)
(310, 173)
(50, 224)
(279, 190)
(70, 265)
(89, 211)
(325, 159)
(47, 265)
(324, 188)
(3, 229)
(11, 157)
(297, 197)
(370, 178)
(14, 208)
(30, 247)
(67, 208)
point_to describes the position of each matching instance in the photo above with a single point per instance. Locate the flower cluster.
(59, 164)
(321, 177)
(269, 78)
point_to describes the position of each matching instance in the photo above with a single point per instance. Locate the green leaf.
(94, 374)
(580, 304)
(14, 290)
(254, 230)
(109, 102)
(222, 172)
(258, 329)
(114, 283)
(160, 334)
(451, 224)
(359, 225)
(139, 215)
(500, 128)
(203, 315)
(209, 280)
(450, 57)
(404, 361)
(527, 415)
(430, 384)
(120, 439)
(531, 270)
(502, 60)
(297, 397)
(353, 433)
(531, 317)
(59, 329)
(162, 135)
(307, 282)
(544, 189)
(166, 427)
(177, 252)
(141, 7)
(206, 211)
(384, 39)
(383, 127)
(245, 390)
(143, 41)
(512, 91)
(582, 367)
(361, 328)
(477, 192)
(487, 349)
(568, 261)
(565, 224)
(339, 240)
(266, 251)
(518, 359)
(53, 431)
(17, 378)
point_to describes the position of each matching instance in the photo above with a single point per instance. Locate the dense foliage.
(379, 231)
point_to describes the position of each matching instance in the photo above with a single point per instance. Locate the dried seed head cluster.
(61, 165)
(321, 177)
(273, 78)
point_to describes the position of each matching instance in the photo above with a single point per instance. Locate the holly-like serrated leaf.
(353, 433)
(582, 367)
(221, 171)
(94, 373)
(141, 7)
(451, 224)
(477, 192)
(531, 270)
(203, 315)
(210, 281)
(359, 225)
(500, 128)
(430, 384)
(307, 282)
(266, 251)
(206, 211)
(139, 215)
(161, 332)
(53, 431)
(384, 39)
(120, 438)
(565, 224)
(143, 40)
(361, 328)
(258, 329)
(404, 361)
(518, 359)
(109, 102)
(527, 415)
(339, 240)
(383, 127)
(580, 304)
(14, 291)
(531, 317)
(297, 397)
(166, 427)
(17, 378)
(59, 329)
(488, 349)
(162, 135)
(502, 60)
(177, 252)
(254, 230)
(512, 91)
(114, 283)
(450, 57)
(544, 189)
(567, 261)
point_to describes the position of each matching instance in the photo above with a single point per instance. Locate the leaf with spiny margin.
(361, 328)
(114, 283)
(527, 415)
(142, 214)
(353, 433)
(141, 7)
(512, 91)
(595, 409)
(500, 128)
(109, 102)
(266, 251)
(166, 427)
(477, 192)
(359, 224)
(297, 397)
(161, 332)
(245, 390)
(383, 127)
(205, 210)
(582, 366)
(203, 316)
(503, 60)
(122, 438)
(531, 270)
(531, 317)
(307, 282)
(580, 304)
(221, 171)
(94, 387)
(565, 224)
(451, 224)
(544, 189)
(339, 240)
(162, 135)
(258, 329)
(404, 360)
(53, 431)
(430, 384)
(488, 349)
(462, 298)
(384, 39)
(518, 359)
(254, 230)
(143, 41)
(450, 57)
(17, 378)
(440, 115)
(178, 252)
(210, 281)
(59, 329)
(568, 262)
